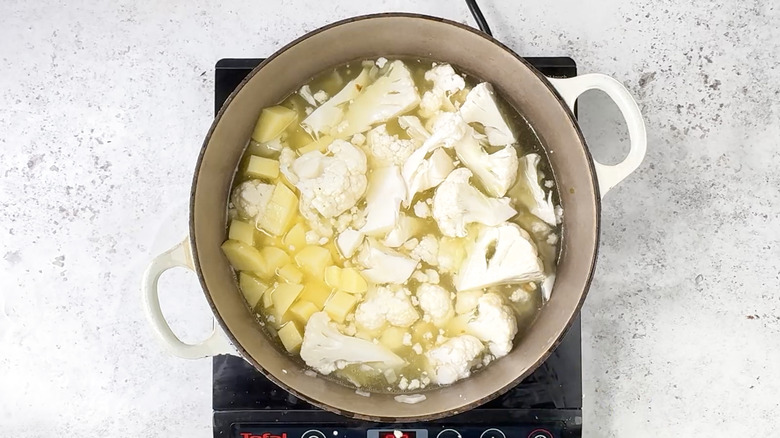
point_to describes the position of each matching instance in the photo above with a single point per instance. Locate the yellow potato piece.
(291, 337)
(295, 239)
(457, 325)
(279, 212)
(332, 275)
(252, 288)
(283, 296)
(290, 273)
(313, 260)
(351, 281)
(272, 121)
(267, 301)
(297, 137)
(302, 310)
(273, 259)
(317, 293)
(393, 338)
(260, 167)
(242, 231)
(339, 305)
(317, 145)
(243, 257)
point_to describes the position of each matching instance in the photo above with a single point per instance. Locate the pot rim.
(442, 414)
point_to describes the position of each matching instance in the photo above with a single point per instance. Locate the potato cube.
(317, 145)
(260, 167)
(280, 210)
(242, 231)
(339, 305)
(283, 296)
(291, 337)
(332, 275)
(313, 260)
(295, 239)
(297, 136)
(393, 338)
(351, 281)
(272, 121)
(267, 301)
(273, 259)
(252, 288)
(458, 325)
(290, 273)
(302, 310)
(243, 257)
(317, 293)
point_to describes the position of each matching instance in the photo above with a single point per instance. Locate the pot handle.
(610, 175)
(179, 255)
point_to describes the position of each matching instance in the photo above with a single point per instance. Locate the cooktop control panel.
(430, 431)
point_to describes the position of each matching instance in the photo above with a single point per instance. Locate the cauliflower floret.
(320, 96)
(457, 203)
(414, 128)
(538, 204)
(445, 83)
(348, 242)
(426, 276)
(497, 171)
(454, 359)
(502, 254)
(305, 93)
(251, 197)
(495, 324)
(422, 209)
(481, 107)
(382, 305)
(547, 287)
(386, 190)
(436, 303)
(389, 149)
(466, 301)
(381, 61)
(427, 250)
(392, 94)
(329, 115)
(328, 184)
(324, 348)
(383, 265)
(406, 227)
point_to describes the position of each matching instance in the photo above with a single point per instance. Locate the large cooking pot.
(546, 102)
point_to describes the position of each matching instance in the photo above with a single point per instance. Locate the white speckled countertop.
(104, 106)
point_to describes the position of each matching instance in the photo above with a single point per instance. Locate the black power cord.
(478, 17)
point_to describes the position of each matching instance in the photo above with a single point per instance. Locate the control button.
(492, 433)
(541, 433)
(313, 434)
(449, 433)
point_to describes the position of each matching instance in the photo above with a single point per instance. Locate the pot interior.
(396, 35)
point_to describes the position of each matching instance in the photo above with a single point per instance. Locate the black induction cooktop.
(547, 404)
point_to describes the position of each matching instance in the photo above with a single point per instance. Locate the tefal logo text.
(264, 435)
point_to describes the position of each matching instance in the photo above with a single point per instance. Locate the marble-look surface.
(103, 110)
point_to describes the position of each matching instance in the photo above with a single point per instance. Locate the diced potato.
(283, 296)
(243, 257)
(295, 239)
(273, 259)
(316, 292)
(297, 137)
(267, 301)
(351, 281)
(252, 288)
(313, 260)
(332, 276)
(242, 231)
(457, 325)
(290, 273)
(291, 337)
(260, 167)
(393, 338)
(339, 305)
(317, 145)
(334, 251)
(265, 240)
(277, 321)
(280, 210)
(272, 121)
(302, 310)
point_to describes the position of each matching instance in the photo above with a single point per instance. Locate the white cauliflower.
(406, 227)
(446, 82)
(348, 242)
(328, 184)
(427, 276)
(466, 301)
(414, 128)
(436, 303)
(496, 171)
(457, 203)
(481, 107)
(538, 204)
(389, 149)
(422, 209)
(495, 324)
(427, 250)
(386, 190)
(383, 265)
(305, 93)
(326, 118)
(382, 305)
(391, 95)
(454, 359)
(502, 254)
(432, 172)
(324, 348)
(320, 96)
(251, 197)
(547, 287)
